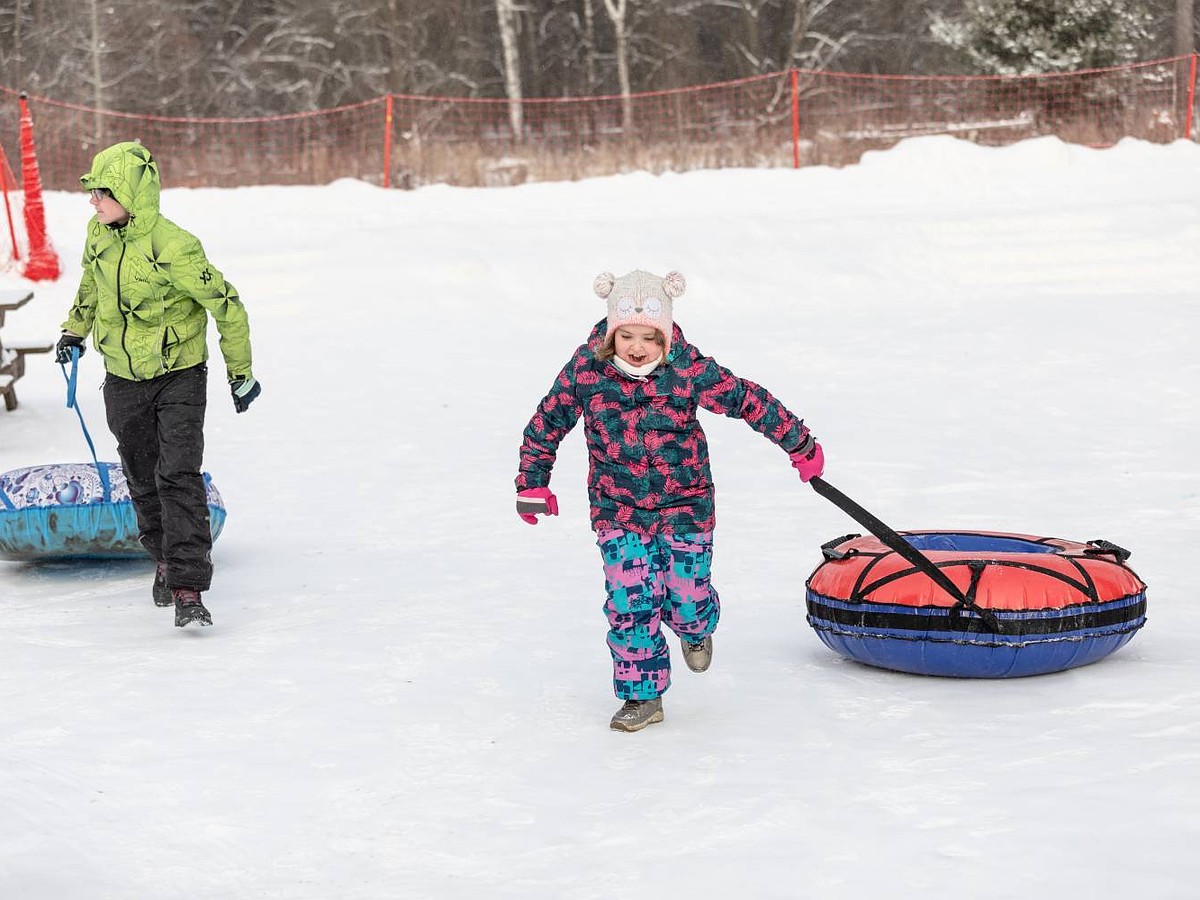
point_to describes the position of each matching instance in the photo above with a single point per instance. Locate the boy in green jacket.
(145, 297)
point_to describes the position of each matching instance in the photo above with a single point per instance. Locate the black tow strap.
(906, 550)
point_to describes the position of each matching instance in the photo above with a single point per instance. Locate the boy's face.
(638, 344)
(108, 210)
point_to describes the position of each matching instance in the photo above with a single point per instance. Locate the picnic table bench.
(12, 357)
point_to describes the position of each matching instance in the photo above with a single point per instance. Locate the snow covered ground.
(406, 692)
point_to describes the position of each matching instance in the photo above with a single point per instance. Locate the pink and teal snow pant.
(651, 580)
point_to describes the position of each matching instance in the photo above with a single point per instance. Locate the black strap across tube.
(902, 547)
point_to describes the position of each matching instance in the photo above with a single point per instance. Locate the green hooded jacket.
(147, 286)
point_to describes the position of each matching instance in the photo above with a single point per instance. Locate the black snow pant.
(159, 427)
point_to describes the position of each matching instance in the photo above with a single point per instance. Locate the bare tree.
(616, 13)
(810, 45)
(96, 55)
(778, 34)
(1185, 25)
(433, 48)
(263, 57)
(17, 56)
(506, 15)
(568, 47)
(589, 21)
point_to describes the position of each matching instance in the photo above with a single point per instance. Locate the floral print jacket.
(648, 459)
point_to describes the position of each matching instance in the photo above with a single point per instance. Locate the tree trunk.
(18, 74)
(753, 50)
(799, 27)
(589, 39)
(616, 12)
(392, 48)
(507, 18)
(1185, 36)
(95, 49)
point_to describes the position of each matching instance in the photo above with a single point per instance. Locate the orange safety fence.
(43, 263)
(790, 118)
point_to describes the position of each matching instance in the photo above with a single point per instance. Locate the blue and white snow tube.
(76, 510)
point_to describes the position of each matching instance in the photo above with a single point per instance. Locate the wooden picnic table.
(12, 357)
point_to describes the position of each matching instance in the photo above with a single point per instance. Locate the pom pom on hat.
(640, 298)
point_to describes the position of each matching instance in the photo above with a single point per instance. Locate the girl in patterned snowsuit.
(638, 383)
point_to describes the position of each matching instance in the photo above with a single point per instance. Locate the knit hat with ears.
(640, 298)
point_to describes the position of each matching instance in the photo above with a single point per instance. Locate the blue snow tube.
(77, 511)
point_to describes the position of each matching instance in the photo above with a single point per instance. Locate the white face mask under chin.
(636, 371)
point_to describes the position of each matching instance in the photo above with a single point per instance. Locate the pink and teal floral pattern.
(648, 464)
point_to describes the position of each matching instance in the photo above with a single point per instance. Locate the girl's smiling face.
(638, 344)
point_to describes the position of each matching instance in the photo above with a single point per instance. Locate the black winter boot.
(188, 608)
(160, 591)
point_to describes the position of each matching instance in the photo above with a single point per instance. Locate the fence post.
(1191, 100)
(387, 142)
(795, 119)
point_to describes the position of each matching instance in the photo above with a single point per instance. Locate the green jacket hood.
(130, 172)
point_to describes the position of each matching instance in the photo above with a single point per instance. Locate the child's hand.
(66, 342)
(809, 463)
(532, 502)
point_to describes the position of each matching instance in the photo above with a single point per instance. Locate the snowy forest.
(265, 57)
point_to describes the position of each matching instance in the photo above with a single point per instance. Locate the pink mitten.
(809, 463)
(534, 501)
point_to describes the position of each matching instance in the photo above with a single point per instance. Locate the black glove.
(62, 351)
(244, 391)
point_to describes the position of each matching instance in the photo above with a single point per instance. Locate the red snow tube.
(1033, 604)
